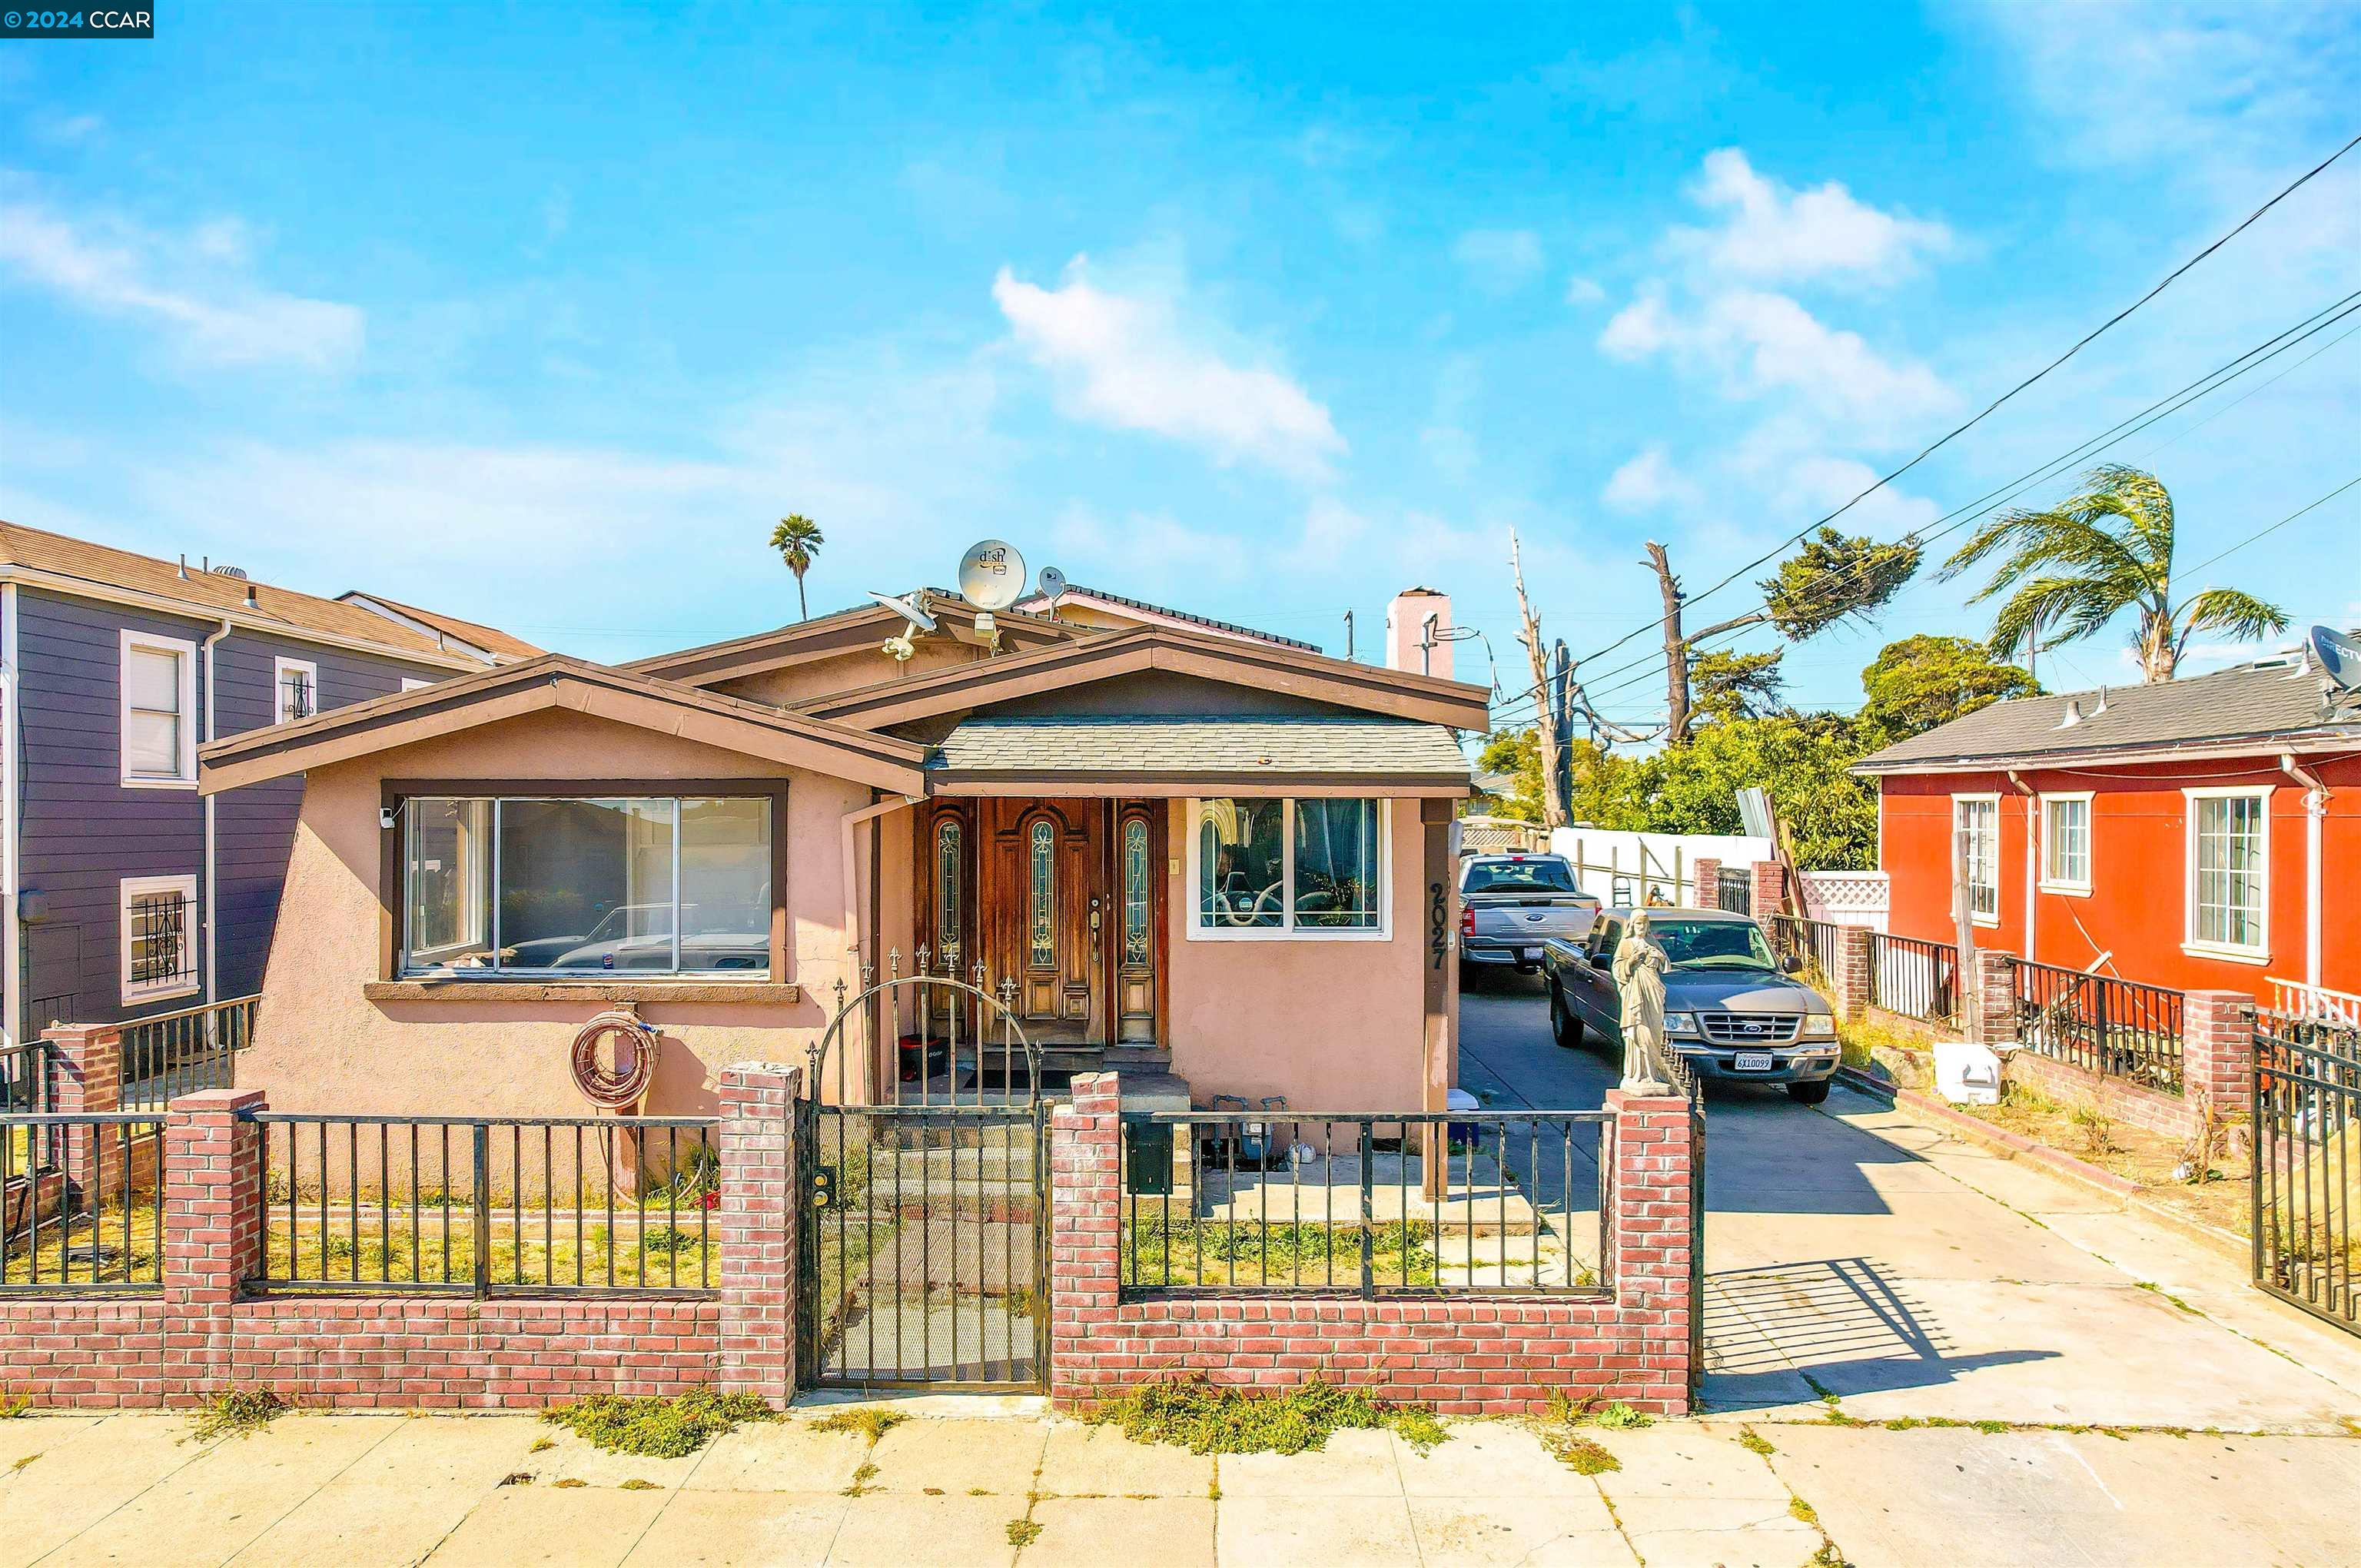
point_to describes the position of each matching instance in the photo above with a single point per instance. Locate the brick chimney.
(1409, 636)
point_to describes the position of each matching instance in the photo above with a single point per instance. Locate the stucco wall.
(1333, 1025)
(848, 672)
(320, 1044)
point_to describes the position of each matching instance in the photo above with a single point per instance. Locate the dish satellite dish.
(991, 574)
(1052, 584)
(2339, 656)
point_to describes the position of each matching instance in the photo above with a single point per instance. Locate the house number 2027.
(1438, 922)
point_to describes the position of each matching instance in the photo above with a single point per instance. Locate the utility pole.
(1549, 720)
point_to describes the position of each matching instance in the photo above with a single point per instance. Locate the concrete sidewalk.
(508, 1491)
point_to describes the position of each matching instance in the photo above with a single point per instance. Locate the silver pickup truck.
(1509, 904)
(1732, 1010)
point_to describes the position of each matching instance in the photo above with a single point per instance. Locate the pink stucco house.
(1173, 844)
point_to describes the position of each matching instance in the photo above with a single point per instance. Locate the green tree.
(1924, 681)
(797, 539)
(1730, 684)
(1516, 753)
(2069, 570)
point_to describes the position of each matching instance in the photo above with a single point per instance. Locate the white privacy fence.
(1624, 867)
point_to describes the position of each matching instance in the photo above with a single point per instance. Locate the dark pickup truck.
(1509, 904)
(1732, 1010)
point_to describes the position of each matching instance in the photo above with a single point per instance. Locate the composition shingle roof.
(1241, 746)
(206, 593)
(490, 638)
(2274, 700)
(1039, 605)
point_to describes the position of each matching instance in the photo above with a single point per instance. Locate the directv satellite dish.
(991, 574)
(2339, 656)
(1052, 584)
(909, 611)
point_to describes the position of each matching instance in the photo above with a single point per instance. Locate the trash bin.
(1967, 1073)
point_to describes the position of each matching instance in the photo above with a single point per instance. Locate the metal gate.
(924, 1200)
(2307, 1128)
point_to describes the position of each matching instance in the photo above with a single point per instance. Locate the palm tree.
(2068, 571)
(797, 539)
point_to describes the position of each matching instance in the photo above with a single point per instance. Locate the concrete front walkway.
(505, 1492)
(1853, 1253)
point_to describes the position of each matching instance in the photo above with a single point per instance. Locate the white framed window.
(1286, 869)
(159, 937)
(295, 690)
(1975, 854)
(2229, 873)
(2066, 843)
(158, 682)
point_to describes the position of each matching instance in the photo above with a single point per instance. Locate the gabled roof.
(1186, 755)
(1315, 676)
(501, 647)
(843, 632)
(556, 681)
(38, 557)
(1040, 604)
(2285, 703)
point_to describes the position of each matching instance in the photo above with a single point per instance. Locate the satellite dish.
(2339, 656)
(1052, 583)
(907, 608)
(991, 574)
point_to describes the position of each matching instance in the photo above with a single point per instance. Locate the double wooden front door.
(1062, 896)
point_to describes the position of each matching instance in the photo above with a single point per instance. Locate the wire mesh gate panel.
(2307, 1128)
(923, 1246)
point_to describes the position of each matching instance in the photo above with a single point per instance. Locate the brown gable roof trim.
(1123, 601)
(827, 636)
(556, 681)
(490, 638)
(40, 558)
(1369, 687)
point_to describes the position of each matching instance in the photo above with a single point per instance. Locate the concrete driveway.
(1853, 1253)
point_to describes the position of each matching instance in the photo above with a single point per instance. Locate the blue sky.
(542, 316)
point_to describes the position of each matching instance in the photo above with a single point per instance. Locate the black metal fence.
(1734, 890)
(2119, 1028)
(2307, 1185)
(488, 1206)
(81, 1202)
(170, 1054)
(1916, 978)
(1816, 942)
(1431, 1203)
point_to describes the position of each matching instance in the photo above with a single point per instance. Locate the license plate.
(1532, 955)
(1753, 1061)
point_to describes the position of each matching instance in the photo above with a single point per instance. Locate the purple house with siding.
(123, 892)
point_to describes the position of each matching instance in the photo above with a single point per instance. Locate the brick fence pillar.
(86, 1076)
(1991, 999)
(1856, 970)
(2217, 1044)
(1086, 1234)
(1770, 890)
(756, 1220)
(212, 1233)
(1654, 1241)
(1706, 877)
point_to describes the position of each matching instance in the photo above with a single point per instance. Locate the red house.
(2200, 833)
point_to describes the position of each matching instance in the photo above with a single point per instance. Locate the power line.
(2080, 343)
(2163, 407)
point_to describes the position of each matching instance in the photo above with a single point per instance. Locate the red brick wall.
(1471, 1354)
(2168, 1114)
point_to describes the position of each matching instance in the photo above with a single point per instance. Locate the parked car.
(1731, 1009)
(1511, 904)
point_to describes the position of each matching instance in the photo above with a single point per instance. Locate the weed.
(1621, 1416)
(1905, 1423)
(866, 1420)
(636, 1485)
(1828, 1556)
(517, 1478)
(1205, 1419)
(2098, 1129)
(2154, 1289)
(541, 1445)
(1754, 1442)
(1991, 1428)
(932, 1491)
(1803, 1511)
(236, 1412)
(1579, 1454)
(1418, 1427)
(661, 1428)
(979, 1491)
(13, 1405)
(570, 1481)
(668, 1239)
(22, 1463)
(1022, 1532)
(861, 1479)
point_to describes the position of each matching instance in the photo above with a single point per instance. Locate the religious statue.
(1640, 985)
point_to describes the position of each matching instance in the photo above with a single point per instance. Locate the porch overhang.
(1163, 756)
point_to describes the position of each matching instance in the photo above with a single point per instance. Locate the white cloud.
(195, 287)
(1771, 232)
(1581, 291)
(1156, 540)
(1649, 482)
(1500, 261)
(1126, 361)
(1758, 342)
